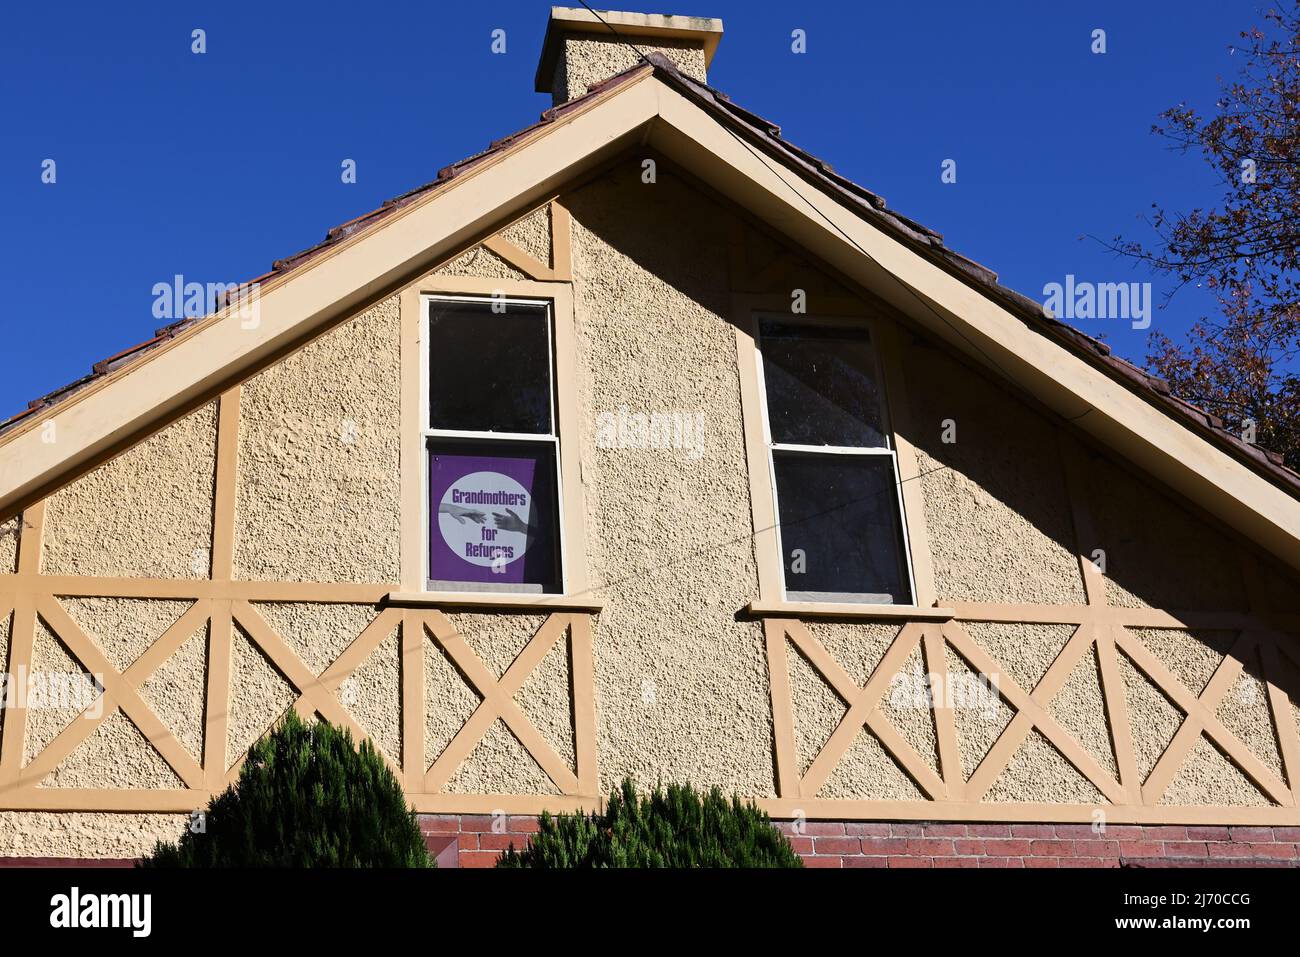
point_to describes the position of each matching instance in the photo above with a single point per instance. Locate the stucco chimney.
(580, 49)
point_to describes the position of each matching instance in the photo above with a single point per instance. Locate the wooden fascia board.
(200, 362)
(969, 320)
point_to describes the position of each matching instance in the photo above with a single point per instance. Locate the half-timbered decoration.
(643, 443)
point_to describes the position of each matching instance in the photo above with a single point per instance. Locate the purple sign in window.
(493, 517)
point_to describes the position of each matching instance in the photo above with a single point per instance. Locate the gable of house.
(260, 550)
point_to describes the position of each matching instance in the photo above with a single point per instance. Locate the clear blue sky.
(213, 166)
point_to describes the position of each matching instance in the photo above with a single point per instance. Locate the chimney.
(580, 49)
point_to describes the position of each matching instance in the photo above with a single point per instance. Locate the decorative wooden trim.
(1283, 718)
(902, 429)
(582, 671)
(561, 241)
(523, 261)
(1115, 697)
(849, 810)
(413, 702)
(788, 783)
(500, 601)
(223, 513)
(945, 724)
(22, 636)
(829, 609)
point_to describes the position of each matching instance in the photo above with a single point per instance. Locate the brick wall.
(859, 844)
(475, 840)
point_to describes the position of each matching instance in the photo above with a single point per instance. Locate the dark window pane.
(489, 372)
(493, 514)
(821, 386)
(841, 532)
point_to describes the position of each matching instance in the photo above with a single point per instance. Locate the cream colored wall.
(585, 60)
(681, 679)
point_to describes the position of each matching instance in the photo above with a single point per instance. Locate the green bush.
(674, 828)
(306, 797)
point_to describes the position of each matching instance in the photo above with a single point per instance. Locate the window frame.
(748, 313)
(413, 588)
(477, 436)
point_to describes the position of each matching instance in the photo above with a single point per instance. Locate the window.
(834, 471)
(492, 477)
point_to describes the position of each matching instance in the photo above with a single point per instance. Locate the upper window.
(834, 470)
(493, 464)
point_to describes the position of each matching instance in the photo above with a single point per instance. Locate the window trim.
(414, 299)
(748, 310)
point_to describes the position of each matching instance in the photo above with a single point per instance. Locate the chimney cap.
(566, 21)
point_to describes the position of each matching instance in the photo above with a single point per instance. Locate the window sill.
(835, 609)
(422, 599)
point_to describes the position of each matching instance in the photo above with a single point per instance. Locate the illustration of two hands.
(510, 522)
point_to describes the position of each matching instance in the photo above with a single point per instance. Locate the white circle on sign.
(483, 518)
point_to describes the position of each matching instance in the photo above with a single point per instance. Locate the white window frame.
(427, 433)
(888, 449)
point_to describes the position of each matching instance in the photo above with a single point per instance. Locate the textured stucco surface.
(85, 834)
(532, 234)
(175, 692)
(44, 723)
(480, 262)
(995, 499)
(124, 628)
(681, 686)
(9, 534)
(1158, 555)
(681, 680)
(146, 513)
(259, 695)
(586, 60)
(318, 492)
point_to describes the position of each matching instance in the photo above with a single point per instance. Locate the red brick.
(956, 862)
(467, 842)
(1006, 848)
(1078, 832)
(945, 830)
(478, 858)
(499, 842)
(1286, 834)
(822, 829)
(1042, 862)
(524, 825)
(1033, 830)
(867, 830)
(988, 830)
(1229, 850)
(884, 845)
(477, 823)
(1001, 862)
(896, 862)
(1141, 849)
(1187, 849)
(1281, 852)
(1165, 833)
(837, 845)
(440, 824)
(1096, 848)
(1259, 835)
(1092, 862)
(1121, 832)
(1051, 848)
(859, 861)
(802, 845)
(929, 847)
(905, 830)
(821, 862)
(1208, 834)
(968, 847)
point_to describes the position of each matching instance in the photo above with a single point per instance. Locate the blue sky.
(214, 165)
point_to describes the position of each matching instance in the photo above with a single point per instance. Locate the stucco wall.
(681, 681)
(146, 513)
(318, 484)
(587, 60)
